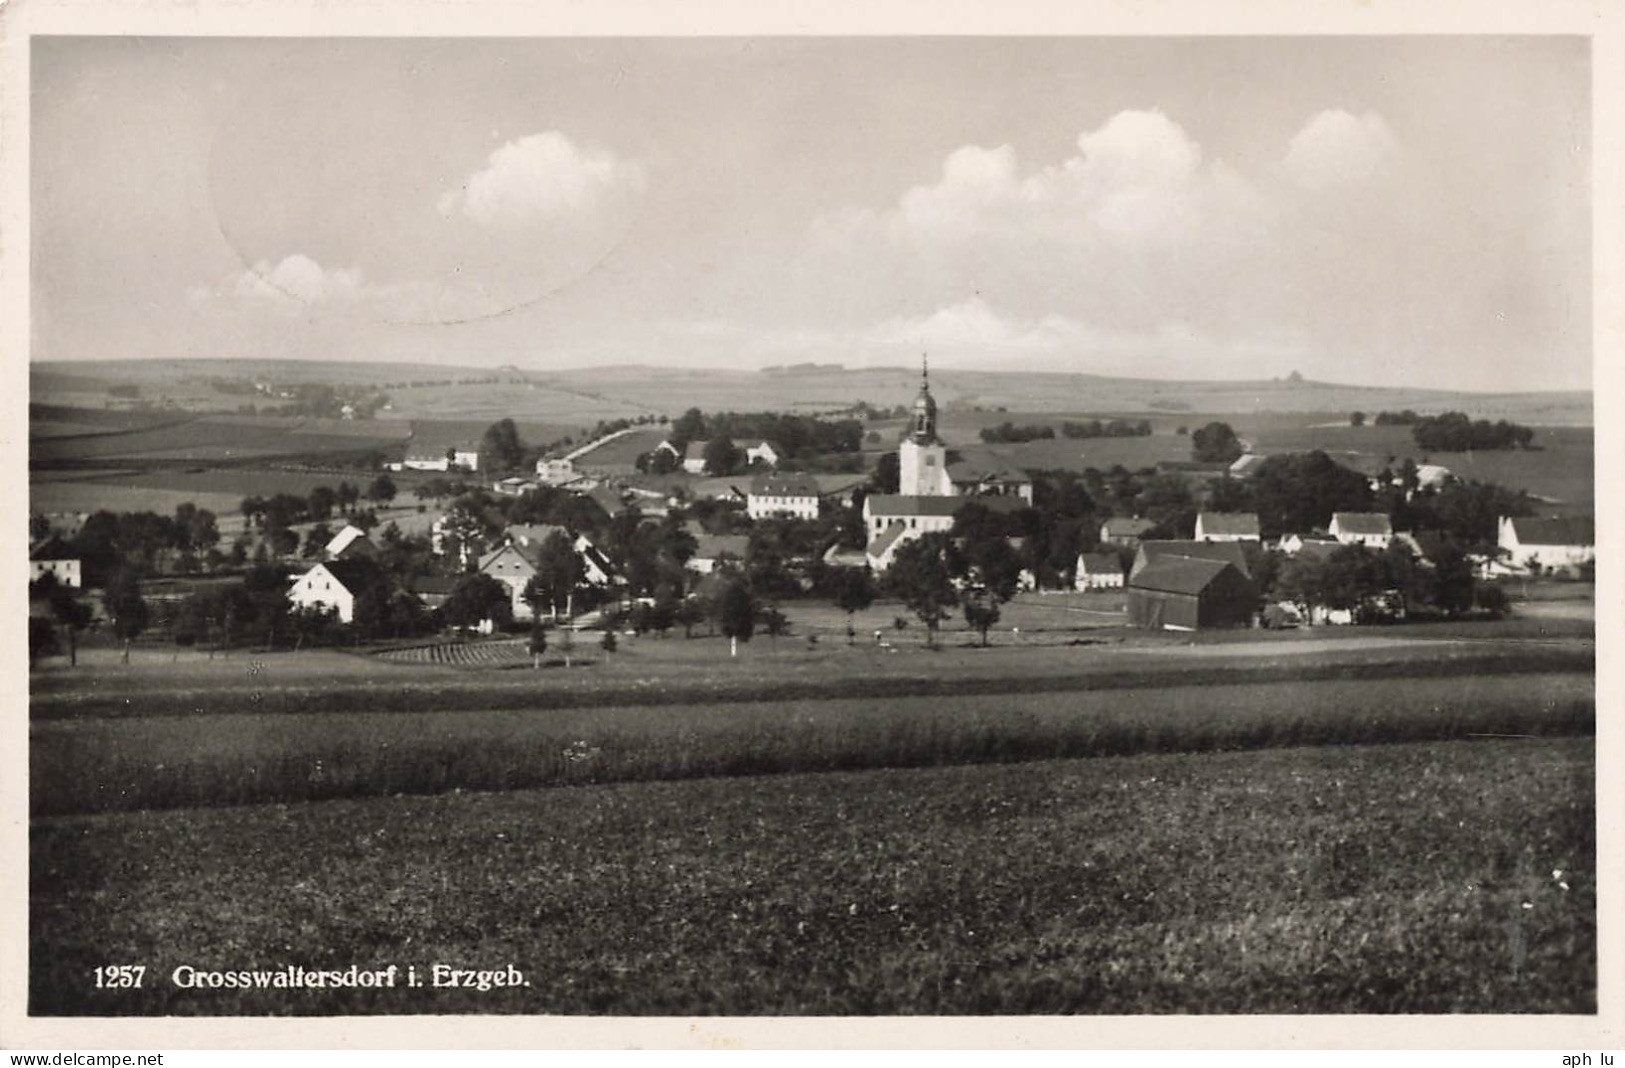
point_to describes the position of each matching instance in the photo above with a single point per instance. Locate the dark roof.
(1575, 530)
(1363, 522)
(695, 450)
(784, 484)
(1229, 523)
(1126, 526)
(434, 584)
(901, 504)
(1230, 552)
(53, 548)
(1180, 574)
(354, 574)
(884, 540)
(1100, 563)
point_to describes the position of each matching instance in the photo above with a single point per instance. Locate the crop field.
(624, 451)
(219, 438)
(85, 764)
(1431, 877)
(500, 654)
(1562, 468)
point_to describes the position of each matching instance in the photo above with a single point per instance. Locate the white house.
(556, 472)
(1293, 544)
(334, 584)
(53, 557)
(1098, 571)
(513, 486)
(1226, 526)
(1373, 530)
(1547, 544)
(694, 457)
(763, 451)
(791, 494)
(515, 562)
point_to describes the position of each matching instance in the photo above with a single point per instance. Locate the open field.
(621, 454)
(1562, 468)
(203, 755)
(1437, 877)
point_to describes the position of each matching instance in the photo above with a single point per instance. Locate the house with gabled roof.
(1374, 530)
(1098, 571)
(783, 494)
(350, 542)
(694, 457)
(1548, 544)
(762, 452)
(970, 478)
(1227, 526)
(1125, 530)
(335, 585)
(53, 557)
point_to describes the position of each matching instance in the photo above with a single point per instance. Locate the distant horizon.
(827, 366)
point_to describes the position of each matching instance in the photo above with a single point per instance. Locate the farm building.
(349, 543)
(694, 457)
(1548, 544)
(556, 472)
(516, 562)
(714, 550)
(1226, 526)
(1098, 571)
(1189, 593)
(1292, 544)
(762, 452)
(432, 590)
(513, 486)
(783, 495)
(974, 480)
(1373, 530)
(335, 585)
(1124, 530)
(53, 557)
(1229, 552)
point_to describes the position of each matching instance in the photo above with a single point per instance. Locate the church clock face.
(930, 461)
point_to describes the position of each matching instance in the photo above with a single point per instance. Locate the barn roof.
(884, 540)
(1229, 552)
(784, 484)
(1100, 563)
(354, 574)
(1180, 574)
(1127, 527)
(1574, 530)
(53, 548)
(1362, 523)
(1234, 523)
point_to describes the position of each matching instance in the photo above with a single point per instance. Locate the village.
(738, 536)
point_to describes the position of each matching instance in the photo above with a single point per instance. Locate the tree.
(348, 495)
(922, 578)
(981, 613)
(316, 540)
(721, 456)
(1452, 585)
(321, 502)
(735, 614)
(126, 608)
(41, 639)
(1357, 419)
(70, 613)
(538, 642)
(476, 598)
(690, 426)
(501, 448)
(854, 592)
(559, 571)
(1215, 443)
(381, 490)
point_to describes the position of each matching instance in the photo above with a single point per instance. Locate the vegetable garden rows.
(498, 654)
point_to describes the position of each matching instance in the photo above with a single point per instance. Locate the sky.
(1378, 210)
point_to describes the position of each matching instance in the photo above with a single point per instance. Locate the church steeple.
(923, 428)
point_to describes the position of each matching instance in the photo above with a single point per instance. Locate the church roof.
(907, 505)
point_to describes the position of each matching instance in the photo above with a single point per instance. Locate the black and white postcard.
(639, 530)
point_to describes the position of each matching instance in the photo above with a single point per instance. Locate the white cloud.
(973, 324)
(543, 178)
(1337, 149)
(297, 278)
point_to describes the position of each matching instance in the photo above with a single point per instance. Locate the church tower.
(922, 460)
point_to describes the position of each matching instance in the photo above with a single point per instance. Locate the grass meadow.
(92, 764)
(1429, 877)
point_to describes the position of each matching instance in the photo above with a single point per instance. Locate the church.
(931, 492)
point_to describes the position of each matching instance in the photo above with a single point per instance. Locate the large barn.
(1190, 593)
